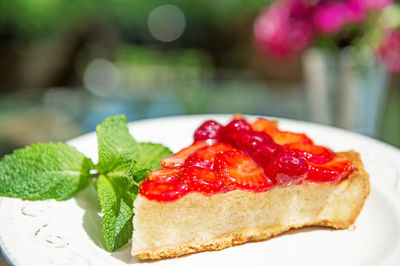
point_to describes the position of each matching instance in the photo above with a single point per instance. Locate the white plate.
(68, 233)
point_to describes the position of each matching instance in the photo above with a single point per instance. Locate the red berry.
(205, 156)
(313, 153)
(287, 168)
(264, 153)
(208, 130)
(332, 171)
(203, 180)
(249, 140)
(238, 170)
(178, 159)
(165, 174)
(161, 190)
(227, 132)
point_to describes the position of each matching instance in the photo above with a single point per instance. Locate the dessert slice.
(244, 182)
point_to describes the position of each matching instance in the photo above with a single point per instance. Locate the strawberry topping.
(178, 159)
(313, 153)
(204, 180)
(262, 124)
(205, 156)
(208, 130)
(238, 170)
(287, 168)
(264, 153)
(331, 172)
(166, 174)
(254, 157)
(163, 190)
(250, 140)
(286, 137)
(228, 132)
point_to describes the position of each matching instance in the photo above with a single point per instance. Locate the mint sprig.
(58, 171)
(115, 145)
(44, 171)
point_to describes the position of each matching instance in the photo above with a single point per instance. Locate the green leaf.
(44, 171)
(115, 145)
(116, 201)
(148, 159)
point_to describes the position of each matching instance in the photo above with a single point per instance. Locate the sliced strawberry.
(178, 159)
(205, 157)
(313, 153)
(166, 173)
(262, 124)
(161, 190)
(203, 180)
(238, 170)
(332, 171)
(286, 137)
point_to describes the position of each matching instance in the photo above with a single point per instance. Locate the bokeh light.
(101, 77)
(166, 23)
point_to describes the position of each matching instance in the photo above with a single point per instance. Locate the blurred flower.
(389, 51)
(283, 29)
(328, 17)
(354, 11)
(289, 26)
(375, 4)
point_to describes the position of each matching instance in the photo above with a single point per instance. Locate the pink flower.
(270, 30)
(354, 11)
(329, 17)
(283, 28)
(389, 51)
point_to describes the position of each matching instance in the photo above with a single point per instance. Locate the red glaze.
(287, 168)
(238, 170)
(178, 159)
(253, 157)
(313, 153)
(331, 172)
(205, 156)
(203, 180)
(208, 130)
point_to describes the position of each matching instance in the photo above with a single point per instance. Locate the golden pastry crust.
(342, 204)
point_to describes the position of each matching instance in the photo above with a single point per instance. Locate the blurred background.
(66, 65)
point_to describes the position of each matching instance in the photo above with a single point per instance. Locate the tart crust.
(159, 228)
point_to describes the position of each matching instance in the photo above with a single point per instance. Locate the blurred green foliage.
(34, 19)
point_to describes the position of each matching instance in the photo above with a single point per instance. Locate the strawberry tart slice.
(244, 182)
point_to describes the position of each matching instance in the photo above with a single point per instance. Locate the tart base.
(197, 223)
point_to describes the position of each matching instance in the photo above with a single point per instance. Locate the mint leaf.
(115, 145)
(116, 196)
(148, 158)
(152, 153)
(44, 171)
